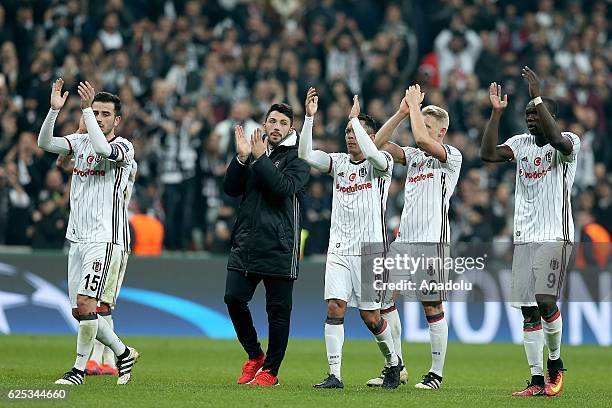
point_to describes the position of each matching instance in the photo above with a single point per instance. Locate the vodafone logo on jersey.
(352, 177)
(87, 173)
(353, 188)
(537, 161)
(534, 174)
(420, 177)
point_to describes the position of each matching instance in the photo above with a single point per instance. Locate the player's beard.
(109, 131)
(273, 144)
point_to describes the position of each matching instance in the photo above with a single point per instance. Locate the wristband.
(537, 100)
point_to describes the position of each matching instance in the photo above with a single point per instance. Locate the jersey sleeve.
(514, 144)
(453, 158)
(389, 170)
(122, 152)
(575, 148)
(410, 153)
(335, 159)
(74, 141)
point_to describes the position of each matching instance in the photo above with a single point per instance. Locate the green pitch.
(199, 372)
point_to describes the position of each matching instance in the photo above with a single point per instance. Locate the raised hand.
(532, 80)
(87, 93)
(355, 108)
(312, 102)
(258, 146)
(243, 148)
(414, 96)
(495, 95)
(57, 99)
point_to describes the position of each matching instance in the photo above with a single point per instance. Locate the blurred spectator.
(594, 247)
(147, 232)
(240, 115)
(48, 230)
(457, 50)
(18, 211)
(188, 71)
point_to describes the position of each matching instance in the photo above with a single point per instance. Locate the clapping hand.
(258, 146)
(243, 148)
(57, 98)
(355, 109)
(312, 102)
(495, 94)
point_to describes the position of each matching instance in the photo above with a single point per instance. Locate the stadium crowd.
(187, 71)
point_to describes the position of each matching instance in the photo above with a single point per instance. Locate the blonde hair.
(438, 113)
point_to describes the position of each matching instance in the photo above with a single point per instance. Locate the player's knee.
(335, 308)
(278, 309)
(547, 307)
(104, 309)
(370, 318)
(432, 308)
(86, 305)
(531, 314)
(232, 300)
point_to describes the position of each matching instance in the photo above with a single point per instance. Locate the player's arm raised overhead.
(46, 141)
(367, 146)
(98, 141)
(548, 124)
(316, 158)
(490, 151)
(414, 98)
(383, 136)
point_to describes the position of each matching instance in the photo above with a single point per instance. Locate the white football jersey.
(98, 192)
(128, 197)
(358, 205)
(427, 192)
(544, 179)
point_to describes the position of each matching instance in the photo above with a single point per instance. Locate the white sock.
(109, 356)
(107, 336)
(395, 324)
(85, 339)
(534, 345)
(438, 337)
(553, 331)
(96, 353)
(384, 339)
(334, 339)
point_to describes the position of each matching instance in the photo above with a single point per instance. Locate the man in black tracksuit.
(271, 179)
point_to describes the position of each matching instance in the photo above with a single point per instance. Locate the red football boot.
(532, 390)
(250, 368)
(107, 369)
(264, 379)
(93, 368)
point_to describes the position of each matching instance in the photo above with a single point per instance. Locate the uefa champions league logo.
(39, 293)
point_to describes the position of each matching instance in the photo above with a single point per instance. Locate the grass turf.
(200, 372)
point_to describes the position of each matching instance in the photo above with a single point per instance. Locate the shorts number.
(432, 285)
(95, 281)
(552, 278)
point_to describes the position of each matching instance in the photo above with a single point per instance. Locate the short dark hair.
(370, 124)
(283, 108)
(551, 104)
(105, 97)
